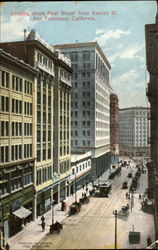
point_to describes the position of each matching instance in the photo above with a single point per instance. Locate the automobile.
(130, 175)
(124, 185)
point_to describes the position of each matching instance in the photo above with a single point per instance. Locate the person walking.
(149, 241)
(43, 225)
(7, 246)
(42, 218)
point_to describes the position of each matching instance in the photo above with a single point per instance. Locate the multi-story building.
(17, 142)
(90, 102)
(134, 131)
(114, 128)
(52, 117)
(151, 31)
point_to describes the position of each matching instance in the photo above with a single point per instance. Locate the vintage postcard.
(75, 125)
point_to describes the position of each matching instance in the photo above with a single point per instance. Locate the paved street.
(93, 227)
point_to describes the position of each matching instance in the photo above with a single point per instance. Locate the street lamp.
(132, 199)
(75, 188)
(116, 214)
(52, 211)
(98, 180)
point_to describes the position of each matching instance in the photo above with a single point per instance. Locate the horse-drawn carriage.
(75, 207)
(84, 200)
(55, 227)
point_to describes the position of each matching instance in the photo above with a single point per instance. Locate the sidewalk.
(32, 233)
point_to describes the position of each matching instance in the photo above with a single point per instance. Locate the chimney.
(24, 34)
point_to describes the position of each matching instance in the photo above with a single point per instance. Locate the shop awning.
(22, 212)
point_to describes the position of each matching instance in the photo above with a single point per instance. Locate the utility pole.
(116, 214)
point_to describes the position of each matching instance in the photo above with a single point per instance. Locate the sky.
(117, 26)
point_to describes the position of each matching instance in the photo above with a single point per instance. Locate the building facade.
(90, 102)
(134, 132)
(52, 118)
(114, 128)
(151, 35)
(80, 172)
(17, 142)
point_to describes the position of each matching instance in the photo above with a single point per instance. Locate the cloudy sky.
(118, 27)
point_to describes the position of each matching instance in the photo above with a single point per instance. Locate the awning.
(22, 212)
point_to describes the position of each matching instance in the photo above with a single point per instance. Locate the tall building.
(134, 131)
(52, 118)
(114, 128)
(90, 102)
(17, 142)
(151, 33)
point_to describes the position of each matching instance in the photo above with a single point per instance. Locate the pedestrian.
(149, 241)
(42, 218)
(43, 225)
(140, 196)
(86, 189)
(65, 206)
(7, 246)
(126, 195)
(62, 206)
(129, 196)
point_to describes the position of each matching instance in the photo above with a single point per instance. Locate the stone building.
(134, 132)
(114, 128)
(17, 142)
(151, 35)
(90, 129)
(52, 118)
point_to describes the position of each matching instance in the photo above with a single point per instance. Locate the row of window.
(64, 150)
(17, 107)
(84, 143)
(44, 175)
(84, 113)
(16, 152)
(64, 166)
(18, 179)
(84, 123)
(85, 66)
(46, 154)
(4, 103)
(16, 83)
(5, 79)
(16, 128)
(45, 137)
(84, 133)
(45, 61)
(81, 167)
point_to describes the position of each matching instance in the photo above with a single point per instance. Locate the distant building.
(90, 129)
(151, 35)
(134, 131)
(17, 142)
(114, 128)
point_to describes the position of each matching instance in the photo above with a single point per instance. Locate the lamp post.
(116, 214)
(52, 212)
(132, 199)
(75, 189)
(98, 180)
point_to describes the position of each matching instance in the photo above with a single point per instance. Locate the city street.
(94, 226)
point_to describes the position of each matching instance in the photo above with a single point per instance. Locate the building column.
(59, 193)
(66, 188)
(35, 207)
